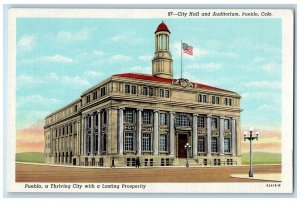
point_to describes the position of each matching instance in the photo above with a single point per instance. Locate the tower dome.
(162, 63)
(162, 27)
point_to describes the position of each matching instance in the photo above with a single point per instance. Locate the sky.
(57, 59)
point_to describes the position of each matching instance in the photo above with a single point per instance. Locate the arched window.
(182, 120)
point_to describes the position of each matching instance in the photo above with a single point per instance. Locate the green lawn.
(262, 158)
(32, 157)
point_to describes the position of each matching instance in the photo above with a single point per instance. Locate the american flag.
(187, 49)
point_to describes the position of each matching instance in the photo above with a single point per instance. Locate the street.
(46, 173)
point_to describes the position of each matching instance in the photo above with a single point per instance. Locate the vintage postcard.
(150, 100)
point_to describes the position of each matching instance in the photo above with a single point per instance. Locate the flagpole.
(181, 56)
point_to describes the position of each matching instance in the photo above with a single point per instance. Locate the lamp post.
(250, 138)
(187, 147)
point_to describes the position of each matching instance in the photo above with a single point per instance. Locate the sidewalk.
(260, 176)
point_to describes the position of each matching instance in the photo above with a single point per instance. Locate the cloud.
(273, 85)
(206, 67)
(65, 36)
(36, 99)
(52, 76)
(98, 52)
(56, 58)
(271, 67)
(128, 38)
(93, 74)
(26, 43)
(267, 107)
(26, 80)
(145, 58)
(75, 81)
(120, 58)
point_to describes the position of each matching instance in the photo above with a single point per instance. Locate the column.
(208, 122)
(155, 133)
(222, 136)
(172, 134)
(77, 139)
(85, 136)
(233, 137)
(120, 130)
(139, 132)
(195, 135)
(99, 131)
(92, 135)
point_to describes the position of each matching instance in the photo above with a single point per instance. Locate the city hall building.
(152, 117)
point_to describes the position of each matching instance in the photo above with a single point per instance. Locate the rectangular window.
(217, 100)
(128, 141)
(104, 143)
(214, 145)
(150, 91)
(214, 123)
(71, 128)
(161, 93)
(146, 117)
(88, 98)
(127, 88)
(201, 144)
(146, 139)
(95, 95)
(163, 142)
(75, 108)
(167, 93)
(226, 124)
(227, 145)
(162, 119)
(213, 99)
(102, 91)
(145, 90)
(129, 116)
(202, 98)
(201, 122)
(230, 102)
(133, 89)
(226, 101)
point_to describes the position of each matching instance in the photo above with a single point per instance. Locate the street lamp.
(250, 138)
(187, 147)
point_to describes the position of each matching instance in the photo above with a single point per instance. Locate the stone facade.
(147, 116)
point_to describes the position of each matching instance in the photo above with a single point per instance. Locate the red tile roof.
(165, 80)
(162, 27)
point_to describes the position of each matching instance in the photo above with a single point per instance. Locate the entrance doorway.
(182, 140)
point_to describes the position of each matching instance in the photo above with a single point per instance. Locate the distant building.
(148, 116)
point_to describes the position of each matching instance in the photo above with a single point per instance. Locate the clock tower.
(162, 63)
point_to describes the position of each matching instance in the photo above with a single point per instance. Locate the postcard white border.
(287, 17)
